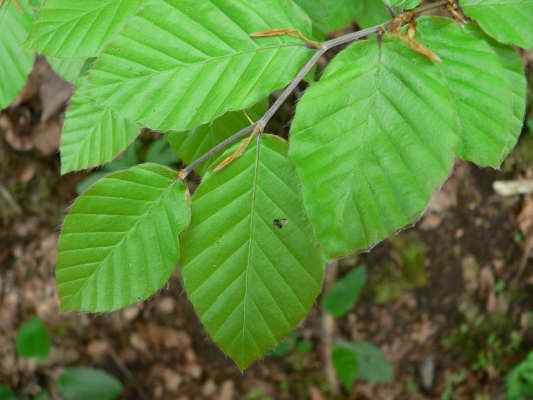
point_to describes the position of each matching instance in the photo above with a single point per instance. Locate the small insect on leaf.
(280, 222)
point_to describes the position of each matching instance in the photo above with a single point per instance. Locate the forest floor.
(449, 301)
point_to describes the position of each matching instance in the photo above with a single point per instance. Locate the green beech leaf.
(343, 296)
(68, 68)
(119, 242)
(93, 134)
(183, 63)
(330, 15)
(371, 12)
(369, 156)
(487, 88)
(514, 72)
(160, 152)
(508, 21)
(403, 4)
(88, 383)
(251, 267)
(192, 144)
(77, 29)
(378, 137)
(345, 364)
(15, 62)
(33, 340)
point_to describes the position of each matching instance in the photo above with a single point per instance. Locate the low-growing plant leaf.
(343, 296)
(15, 62)
(33, 340)
(6, 393)
(330, 15)
(345, 364)
(251, 266)
(372, 364)
(93, 134)
(519, 381)
(183, 63)
(88, 383)
(78, 29)
(369, 157)
(41, 396)
(192, 144)
(119, 242)
(486, 87)
(508, 21)
(285, 347)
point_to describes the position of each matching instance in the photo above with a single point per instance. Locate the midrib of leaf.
(350, 188)
(210, 60)
(376, 73)
(251, 242)
(141, 219)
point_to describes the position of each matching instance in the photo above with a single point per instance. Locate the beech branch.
(259, 126)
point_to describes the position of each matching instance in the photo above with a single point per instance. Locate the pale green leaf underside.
(67, 68)
(93, 134)
(371, 156)
(330, 15)
(403, 4)
(514, 73)
(119, 242)
(251, 280)
(190, 145)
(15, 62)
(78, 28)
(481, 88)
(378, 149)
(508, 21)
(183, 63)
(371, 12)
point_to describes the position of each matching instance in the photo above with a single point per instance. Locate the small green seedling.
(33, 341)
(361, 360)
(345, 294)
(88, 383)
(520, 380)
